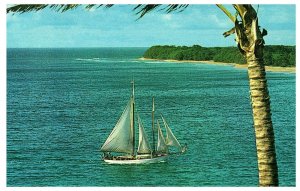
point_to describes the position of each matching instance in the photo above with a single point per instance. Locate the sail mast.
(153, 137)
(132, 119)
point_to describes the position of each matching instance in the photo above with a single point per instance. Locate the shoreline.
(238, 66)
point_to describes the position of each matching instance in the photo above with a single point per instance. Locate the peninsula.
(278, 58)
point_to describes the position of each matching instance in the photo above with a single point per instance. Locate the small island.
(277, 57)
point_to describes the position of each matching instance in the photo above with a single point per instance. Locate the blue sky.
(118, 27)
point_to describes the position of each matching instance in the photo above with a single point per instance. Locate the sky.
(119, 27)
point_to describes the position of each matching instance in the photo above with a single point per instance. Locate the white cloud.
(222, 23)
(167, 17)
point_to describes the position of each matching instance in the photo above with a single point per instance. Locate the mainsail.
(171, 139)
(144, 146)
(161, 143)
(121, 138)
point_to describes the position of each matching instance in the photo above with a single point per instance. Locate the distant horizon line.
(132, 46)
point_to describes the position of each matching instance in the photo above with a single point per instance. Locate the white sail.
(121, 137)
(171, 139)
(161, 143)
(144, 146)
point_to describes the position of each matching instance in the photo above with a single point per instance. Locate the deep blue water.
(63, 103)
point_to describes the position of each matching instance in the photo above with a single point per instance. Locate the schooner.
(121, 140)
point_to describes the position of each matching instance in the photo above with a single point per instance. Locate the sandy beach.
(240, 66)
(271, 68)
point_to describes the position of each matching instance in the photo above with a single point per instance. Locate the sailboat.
(121, 141)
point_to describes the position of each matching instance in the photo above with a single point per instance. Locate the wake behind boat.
(121, 141)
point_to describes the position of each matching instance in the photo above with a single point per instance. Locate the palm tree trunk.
(264, 135)
(250, 42)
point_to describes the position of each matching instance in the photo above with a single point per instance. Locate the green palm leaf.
(141, 9)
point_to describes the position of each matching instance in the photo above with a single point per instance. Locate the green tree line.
(274, 55)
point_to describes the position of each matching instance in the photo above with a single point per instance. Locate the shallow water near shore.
(63, 103)
(238, 66)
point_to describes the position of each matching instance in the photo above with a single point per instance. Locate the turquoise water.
(63, 103)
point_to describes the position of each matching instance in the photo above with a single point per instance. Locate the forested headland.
(274, 55)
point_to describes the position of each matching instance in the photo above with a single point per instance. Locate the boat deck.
(135, 160)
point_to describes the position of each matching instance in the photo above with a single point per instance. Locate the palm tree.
(250, 42)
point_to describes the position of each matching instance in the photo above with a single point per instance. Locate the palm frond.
(232, 18)
(24, 8)
(64, 7)
(175, 7)
(144, 9)
(141, 9)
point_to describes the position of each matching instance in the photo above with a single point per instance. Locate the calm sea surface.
(63, 103)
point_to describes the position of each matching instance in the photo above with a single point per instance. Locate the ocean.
(63, 103)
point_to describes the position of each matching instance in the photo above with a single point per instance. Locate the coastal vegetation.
(274, 55)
